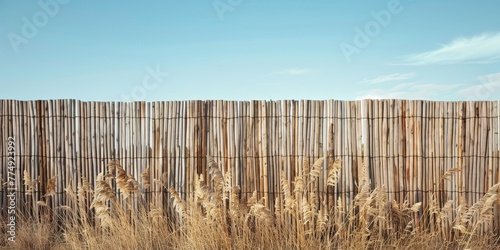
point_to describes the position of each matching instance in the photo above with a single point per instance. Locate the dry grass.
(215, 218)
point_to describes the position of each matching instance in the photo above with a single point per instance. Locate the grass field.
(97, 218)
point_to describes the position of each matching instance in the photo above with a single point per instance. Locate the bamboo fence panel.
(406, 146)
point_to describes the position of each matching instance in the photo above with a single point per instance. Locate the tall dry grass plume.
(103, 214)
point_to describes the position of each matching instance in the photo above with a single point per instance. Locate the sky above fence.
(249, 49)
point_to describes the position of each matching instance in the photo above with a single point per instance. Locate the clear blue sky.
(249, 49)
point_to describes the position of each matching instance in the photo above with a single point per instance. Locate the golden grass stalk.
(41, 204)
(307, 213)
(333, 173)
(277, 206)
(484, 207)
(444, 214)
(460, 219)
(202, 193)
(235, 207)
(102, 194)
(290, 201)
(305, 167)
(125, 183)
(112, 167)
(261, 212)
(68, 190)
(449, 173)
(227, 185)
(178, 203)
(155, 214)
(316, 168)
(313, 202)
(146, 178)
(131, 185)
(322, 218)
(298, 184)
(253, 199)
(51, 186)
(362, 172)
(28, 182)
(83, 190)
(162, 181)
(103, 190)
(217, 177)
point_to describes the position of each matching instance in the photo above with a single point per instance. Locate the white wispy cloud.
(478, 49)
(489, 88)
(411, 91)
(295, 71)
(391, 77)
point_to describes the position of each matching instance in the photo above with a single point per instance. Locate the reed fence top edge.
(248, 101)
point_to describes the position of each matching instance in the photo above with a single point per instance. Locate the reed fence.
(406, 145)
